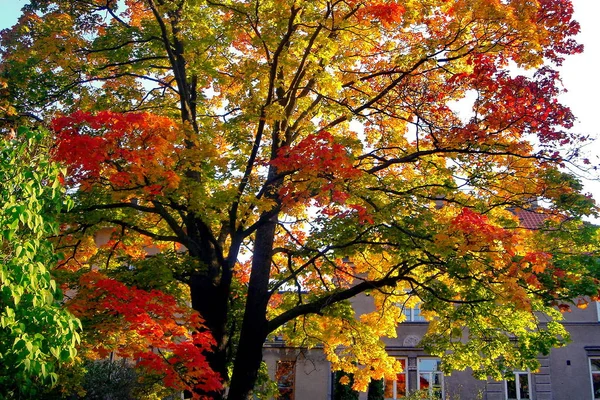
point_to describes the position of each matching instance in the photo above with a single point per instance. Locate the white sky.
(579, 73)
(580, 77)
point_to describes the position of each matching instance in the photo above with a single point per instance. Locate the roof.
(531, 218)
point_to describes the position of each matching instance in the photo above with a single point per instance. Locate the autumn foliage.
(148, 327)
(284, 157)
(126, 151)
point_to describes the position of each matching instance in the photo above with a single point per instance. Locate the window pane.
(388, 391)
(430, 377)
(284, 375)
(429, 364)
(596, 385)
(424, 381)
(437, 393)
(524, 386)
(437, 379)
(398, 387)
(511, 390)
(401, 386)
(417, 317)
(595, 362)
(414, 314)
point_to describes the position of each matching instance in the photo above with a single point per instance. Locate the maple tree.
(147, 326)
(287, 156)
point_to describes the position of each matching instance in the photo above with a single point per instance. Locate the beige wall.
(313, 372)
(563, 375)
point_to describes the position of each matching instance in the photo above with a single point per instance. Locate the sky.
(579, 75)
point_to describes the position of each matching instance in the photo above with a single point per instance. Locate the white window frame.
(413, 314)
(598, 310)
(592, 373)
(409, 312)
(517, 383)
(394, 382)
(431, 375)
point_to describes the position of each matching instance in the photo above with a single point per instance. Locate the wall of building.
(564, 374)
(312, 378)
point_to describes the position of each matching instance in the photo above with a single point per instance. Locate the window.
(285, 378)
(595, 372)
(520, 387)
(431, 378)
(413, 314)
(397, 389)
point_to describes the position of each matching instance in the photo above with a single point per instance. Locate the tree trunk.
(248, 358)
(211, 302)
(254, 326)
(209, 292)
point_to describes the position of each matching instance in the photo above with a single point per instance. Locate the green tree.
(36, 334)
(298, 151)
(376, 390)
(343, 386)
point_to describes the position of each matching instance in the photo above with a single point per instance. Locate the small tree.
(376, 390)
(166, 340)
(36, 334)
(343, 386)
(107, 379)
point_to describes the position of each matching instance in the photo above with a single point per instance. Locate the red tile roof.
(531, 219)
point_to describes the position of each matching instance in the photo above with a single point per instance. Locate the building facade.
(571, 372)
(568, 373)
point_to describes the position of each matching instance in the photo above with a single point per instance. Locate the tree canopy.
(286, 156)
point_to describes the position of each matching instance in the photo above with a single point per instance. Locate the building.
(568, 373)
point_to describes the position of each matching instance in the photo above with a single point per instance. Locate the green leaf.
(8, 234)
(18, 251)
(29, 209)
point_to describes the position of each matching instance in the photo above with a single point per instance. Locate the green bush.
(109, 380)
(376, 390)
(341, 391)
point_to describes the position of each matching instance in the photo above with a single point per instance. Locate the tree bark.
(254, 326)
(211, 302)
(209, 291)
